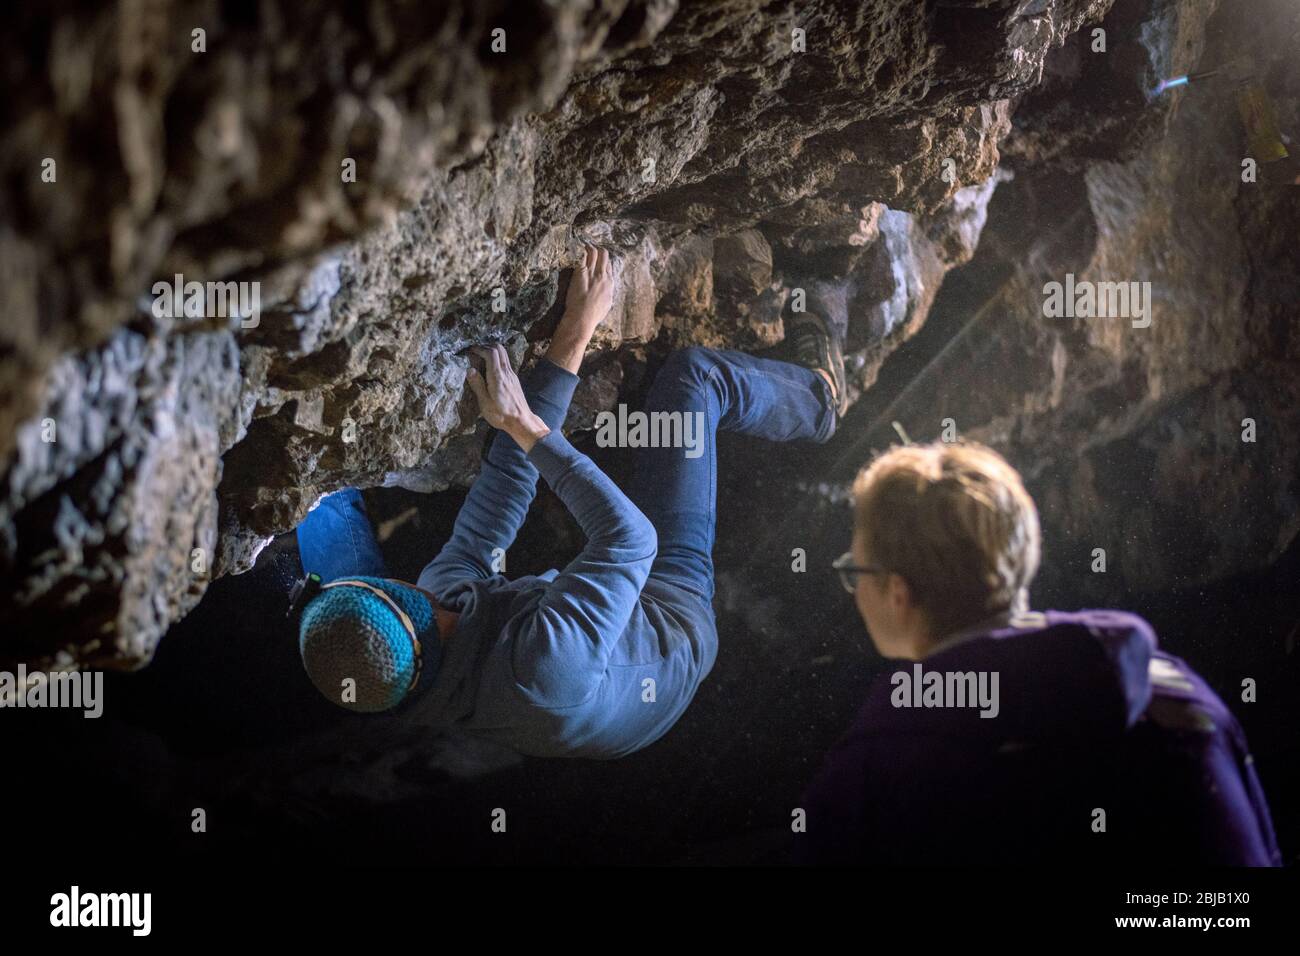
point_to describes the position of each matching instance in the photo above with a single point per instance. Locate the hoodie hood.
(485, 605)
(1080, 675)
(1090, 715)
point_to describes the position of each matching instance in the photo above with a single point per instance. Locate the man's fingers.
(477, 386)
(496, 361)
(478, 361)
(499, 360)
(503, 359)
(589, 259)
(602, 263)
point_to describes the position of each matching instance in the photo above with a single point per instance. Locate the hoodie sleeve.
(498, 501)
(564, 644)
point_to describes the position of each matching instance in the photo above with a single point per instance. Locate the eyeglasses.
(848, 571)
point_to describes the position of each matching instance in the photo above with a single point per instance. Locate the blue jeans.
(736, 392)
(336, 539)
(733, 391)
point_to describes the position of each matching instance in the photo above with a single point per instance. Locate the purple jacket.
(1097, 748)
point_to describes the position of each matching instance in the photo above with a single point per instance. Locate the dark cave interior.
(224, 717)
(936, 162)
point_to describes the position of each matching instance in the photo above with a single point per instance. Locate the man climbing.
(599, 659)
(1018, 737)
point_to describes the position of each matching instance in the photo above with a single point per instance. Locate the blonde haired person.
(1013, 736)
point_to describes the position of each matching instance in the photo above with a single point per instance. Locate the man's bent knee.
(693, 367)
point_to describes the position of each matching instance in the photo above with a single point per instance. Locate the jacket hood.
(1082, 674)
(448, 694)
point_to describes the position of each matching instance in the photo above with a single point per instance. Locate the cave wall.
(184, 444)
(1132, 438)
(722, 167)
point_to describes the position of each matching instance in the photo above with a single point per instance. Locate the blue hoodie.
(1090, 717)
(597, 660)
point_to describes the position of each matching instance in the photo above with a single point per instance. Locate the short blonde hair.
(955, 521)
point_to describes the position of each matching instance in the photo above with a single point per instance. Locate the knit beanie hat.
(357, 649)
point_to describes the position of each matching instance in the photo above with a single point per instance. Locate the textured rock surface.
(1131, 438)
(721, 167)
(1164, 481)
(718, 162)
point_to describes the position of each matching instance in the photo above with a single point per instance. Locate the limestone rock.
(717, 160)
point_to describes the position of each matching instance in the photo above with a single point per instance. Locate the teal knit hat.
(357, 649)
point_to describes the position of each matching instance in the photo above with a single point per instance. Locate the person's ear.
(900, 594)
